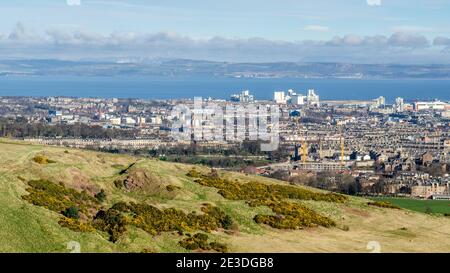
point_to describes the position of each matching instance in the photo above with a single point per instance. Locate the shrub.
(200, 241)
(68, 202)
(218, 247)
(71, 212)
(57, 197)
(255, 190)
(194, 173)
(155, 221)
(40, 159)
(112, 222)
(293, 216)
(227, 222)
(289, 215)
(101, 196)
(75, 225)
(383, 204)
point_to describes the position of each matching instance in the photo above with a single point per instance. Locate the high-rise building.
(399, 105)
(379, 102)
(313, 98)
(298, 99)
(279, 97)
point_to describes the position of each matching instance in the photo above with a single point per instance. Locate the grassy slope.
(27, 228)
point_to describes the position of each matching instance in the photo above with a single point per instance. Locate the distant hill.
(52, 198)
(198, 68)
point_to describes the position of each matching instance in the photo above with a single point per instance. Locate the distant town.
(355, 147)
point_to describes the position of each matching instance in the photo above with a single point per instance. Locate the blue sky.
(414, 31)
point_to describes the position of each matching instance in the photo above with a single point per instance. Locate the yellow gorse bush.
(289, 215)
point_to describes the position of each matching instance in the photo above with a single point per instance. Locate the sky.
(354, 31)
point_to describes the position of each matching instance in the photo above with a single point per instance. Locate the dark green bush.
(101, 196)
(72, 213)
(227, 222)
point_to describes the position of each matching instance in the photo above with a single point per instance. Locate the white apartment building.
(279, 97)
(379, 102)
(298, 99)
(399, 105)
(433, 105)
(313, 98)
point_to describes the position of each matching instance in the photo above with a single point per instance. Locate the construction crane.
(304, 145)
(296, 132)
(304, 150)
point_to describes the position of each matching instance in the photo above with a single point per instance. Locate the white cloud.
(374, 2)
(400, 47)
(316, 28)
(402, 39)
(73, 2)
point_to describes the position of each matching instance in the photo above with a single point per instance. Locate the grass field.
(428, 206)
(28, 228)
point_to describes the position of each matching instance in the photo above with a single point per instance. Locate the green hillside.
(52, 196)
